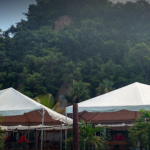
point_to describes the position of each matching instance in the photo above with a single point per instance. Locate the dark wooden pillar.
(75, 127)
(36, 139)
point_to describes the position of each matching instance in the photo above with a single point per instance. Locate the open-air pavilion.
(118, 108)
(18, 109)
(118, 105)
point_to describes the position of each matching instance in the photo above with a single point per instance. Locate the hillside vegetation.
(105, 46)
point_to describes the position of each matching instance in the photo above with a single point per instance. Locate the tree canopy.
(106, 46)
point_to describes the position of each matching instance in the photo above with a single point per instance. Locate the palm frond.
(87, 136)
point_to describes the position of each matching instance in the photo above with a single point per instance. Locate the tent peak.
(136, 83)
(8, 89)
(132, 97)
(14, 103)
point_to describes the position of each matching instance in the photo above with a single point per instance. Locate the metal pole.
(66, 132)
(75, 127)
(42, 129)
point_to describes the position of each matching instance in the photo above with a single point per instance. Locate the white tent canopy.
(133, 97)
(114, 125)
(13, 103)
(20, 127)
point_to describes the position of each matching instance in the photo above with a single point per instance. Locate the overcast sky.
(11, 11)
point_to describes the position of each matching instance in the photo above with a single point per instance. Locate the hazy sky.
(11, 11)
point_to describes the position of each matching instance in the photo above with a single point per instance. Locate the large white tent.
(133, 97)
(18, 109)
(116, 109)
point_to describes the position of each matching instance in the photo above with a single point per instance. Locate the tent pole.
(42, 129)
(66, 132)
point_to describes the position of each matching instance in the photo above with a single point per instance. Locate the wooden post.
(75, 127)
(36, 139)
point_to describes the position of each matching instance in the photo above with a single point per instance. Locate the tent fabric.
(114, 125)
(30, 119)
(133, 97)
(17, 108)
(14, 103)
(38, 127)
(106, 117)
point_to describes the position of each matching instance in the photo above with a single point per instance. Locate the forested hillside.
(103, 47)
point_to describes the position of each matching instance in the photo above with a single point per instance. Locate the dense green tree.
(35, 84)
(79, 92)
(140, 53)
(103, 41)
(2, 49)
(105, 87)
(140, 130)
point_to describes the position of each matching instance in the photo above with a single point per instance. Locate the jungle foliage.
(88, 138)
(140, 130)
(107, 46)
(2, 137)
